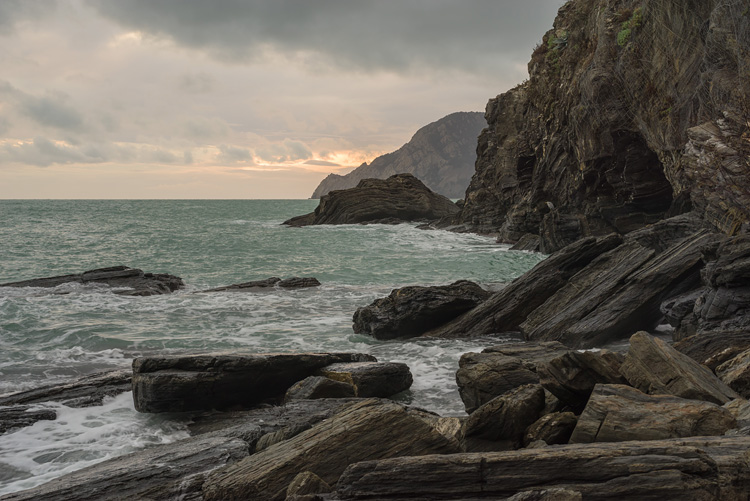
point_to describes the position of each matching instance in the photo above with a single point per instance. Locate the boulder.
(171, 471)
(318, 387)
(268, 284)
(500, 424)
(653, 366)
(547, 495)
(705, 468)
(618, 413)
(19, 416)
(553, 429)
(505, 310)
(400, 198)
(412, 311)
(306, 483)
(736, 373)
(499, 369)
(84, 391)
(371, 379)
(571, 377)
(134, 281)
(220, 381)
(370, 429)
(713, 348)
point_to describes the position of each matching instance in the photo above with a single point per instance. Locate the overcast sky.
(238, 98)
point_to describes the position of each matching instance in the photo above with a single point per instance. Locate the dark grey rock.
(315, 387)
(713, 348)
(298, 283)
(736, 373)
(654, 367)
(618, 413)
(136, 282)
(306, 483)
(84, 391)
(412, 311)
(268, 284)
(220, 381)
(553, 429)
(19, 416)
(400, 198)
(371, 379)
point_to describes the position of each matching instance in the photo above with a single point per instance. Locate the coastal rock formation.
(133, 281)
(400, 198)
(441, 155)
(370, 429)
(319, 387)
(269, 283)
(633, 111)
(554, 428)
(618, 413)
(371, 379)
(411, 311)
(204, 382)
(84, 391)
(704, 468)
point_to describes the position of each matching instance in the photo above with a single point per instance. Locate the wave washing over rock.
(440, 154)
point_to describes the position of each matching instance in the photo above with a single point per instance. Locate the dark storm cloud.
(385, 34)
(14, 11)
(52, 110)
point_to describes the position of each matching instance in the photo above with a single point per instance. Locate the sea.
(54, 335)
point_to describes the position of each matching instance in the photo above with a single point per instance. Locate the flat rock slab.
(172, 471)
(554, 429)
(653, 366)
(315, 387)
(618, 413)
(220, 381)
(697, 469)
(269, 284)
(19, 416)
(412, 311)
(399, 198)
(367, 430)
(136, 281)
(371, 379)
(85, 391)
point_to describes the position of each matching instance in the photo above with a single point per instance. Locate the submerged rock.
(19, 416)
(136, 282)
(84, 391)
(400, 198)
(412, 311)
(219, 381)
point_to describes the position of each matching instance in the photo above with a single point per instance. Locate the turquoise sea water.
(48, 337)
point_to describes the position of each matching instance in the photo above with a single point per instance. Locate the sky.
(146, 99)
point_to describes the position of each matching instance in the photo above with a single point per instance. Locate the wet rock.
(84, 391)
(571, 377)
(370, 429)
(19, 416)
(528, 242)
(500, 424)
(412, 311)
(400, 198)
(220, 381)
(618, 413)
(314, 387)
(134, 281)
(499, 369)
(653, 366)
(736, 373)
(505, 310)
(171, 471)
(306, 483)
(694, 468)
(371, 379)
(715, 347)
(555, 428)
(269, 283)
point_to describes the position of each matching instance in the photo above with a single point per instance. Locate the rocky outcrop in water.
(269, 284)
(134, 281)
(441, 155)
(400, 198)
(633, 111)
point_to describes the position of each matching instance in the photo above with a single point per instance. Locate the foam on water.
(52, 335)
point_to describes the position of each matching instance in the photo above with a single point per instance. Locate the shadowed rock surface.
(736, 373)
(371, 379)
(19, 416)
(411, 311)
(400, 198)
(441, 155)
(204, 382)
(554, 428)
(269, 283)
(314, 387)
(369, 429)
(654, 367)
(617, 413)
(136, 282)
(703, 468)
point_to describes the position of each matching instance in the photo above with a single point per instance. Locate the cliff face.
(635, 109)
(441, 155)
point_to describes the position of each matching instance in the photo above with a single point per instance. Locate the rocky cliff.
(440, 154)
(634, 110)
